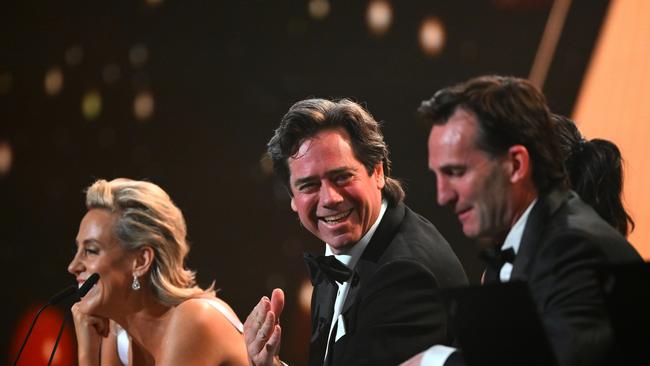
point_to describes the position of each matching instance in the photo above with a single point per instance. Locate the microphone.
(62, 295)
(90, 282)
(83, 290)
(70, 290)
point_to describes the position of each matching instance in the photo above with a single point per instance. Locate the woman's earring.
(135, 284)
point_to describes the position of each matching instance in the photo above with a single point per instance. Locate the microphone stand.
(58, 338)
(81, 292)
(29, 332)
(56, 298)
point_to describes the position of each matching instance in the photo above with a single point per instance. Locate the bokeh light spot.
(143, 105)
(91, 105)
(432, 36)
(37, 351)
(46, 348)
(319, 9)
(53, 81)
(6, 158)
(304, 295)
(379, 16)
(266, 164)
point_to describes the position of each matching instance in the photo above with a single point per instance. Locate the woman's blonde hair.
(148, 217)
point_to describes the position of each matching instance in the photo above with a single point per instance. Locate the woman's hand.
(89, 330)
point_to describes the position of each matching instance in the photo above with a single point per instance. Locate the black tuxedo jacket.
(563, 245)
(392, 311)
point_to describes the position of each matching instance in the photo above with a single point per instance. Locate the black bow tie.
(497, 257)
(328, 267)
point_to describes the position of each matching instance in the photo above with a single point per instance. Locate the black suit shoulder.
(417, 240)
(563, 245)
(577, 221)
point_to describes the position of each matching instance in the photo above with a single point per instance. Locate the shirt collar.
(513, 240)
(352, 255)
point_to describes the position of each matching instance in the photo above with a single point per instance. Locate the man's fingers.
(273, 345)
(255, 319)
(277, 303)
(261, 330)
(263, 334)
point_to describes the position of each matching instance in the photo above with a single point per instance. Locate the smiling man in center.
(374, 300)
(334, 196)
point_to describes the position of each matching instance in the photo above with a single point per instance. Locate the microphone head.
(90, 282)
(62, 295)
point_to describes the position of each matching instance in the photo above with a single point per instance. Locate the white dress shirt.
(350, 259)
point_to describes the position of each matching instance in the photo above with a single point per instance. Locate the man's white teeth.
(335, 218)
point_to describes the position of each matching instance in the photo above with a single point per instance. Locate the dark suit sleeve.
(398, 316)
(566, 288)
(455, 359)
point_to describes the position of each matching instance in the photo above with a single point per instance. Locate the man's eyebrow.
(308, 179)
(339, 171)
(450, 167)
(453, 165)
(329, 173)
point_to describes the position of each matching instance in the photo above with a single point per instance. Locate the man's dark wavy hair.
(308, 117)
(510, 111)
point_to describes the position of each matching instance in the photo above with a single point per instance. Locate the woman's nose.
(75, 265)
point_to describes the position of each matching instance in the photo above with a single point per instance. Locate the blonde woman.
(146, 308)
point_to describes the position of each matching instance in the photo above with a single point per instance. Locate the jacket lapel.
(322, 308)
(544, 209)
(376, 247)
(365, 268)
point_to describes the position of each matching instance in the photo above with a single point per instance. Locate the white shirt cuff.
(436, 355)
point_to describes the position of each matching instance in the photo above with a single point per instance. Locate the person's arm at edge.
(434, 356)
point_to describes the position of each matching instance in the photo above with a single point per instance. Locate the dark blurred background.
(187, 93)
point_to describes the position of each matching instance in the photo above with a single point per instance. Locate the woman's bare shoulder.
(198, 329)
(200, 310)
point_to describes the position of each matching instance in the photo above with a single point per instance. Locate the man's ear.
(143, 260)
(293, 205)
(518, 163)
(379, 175)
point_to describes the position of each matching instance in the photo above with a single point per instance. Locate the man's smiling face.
(332, 192)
